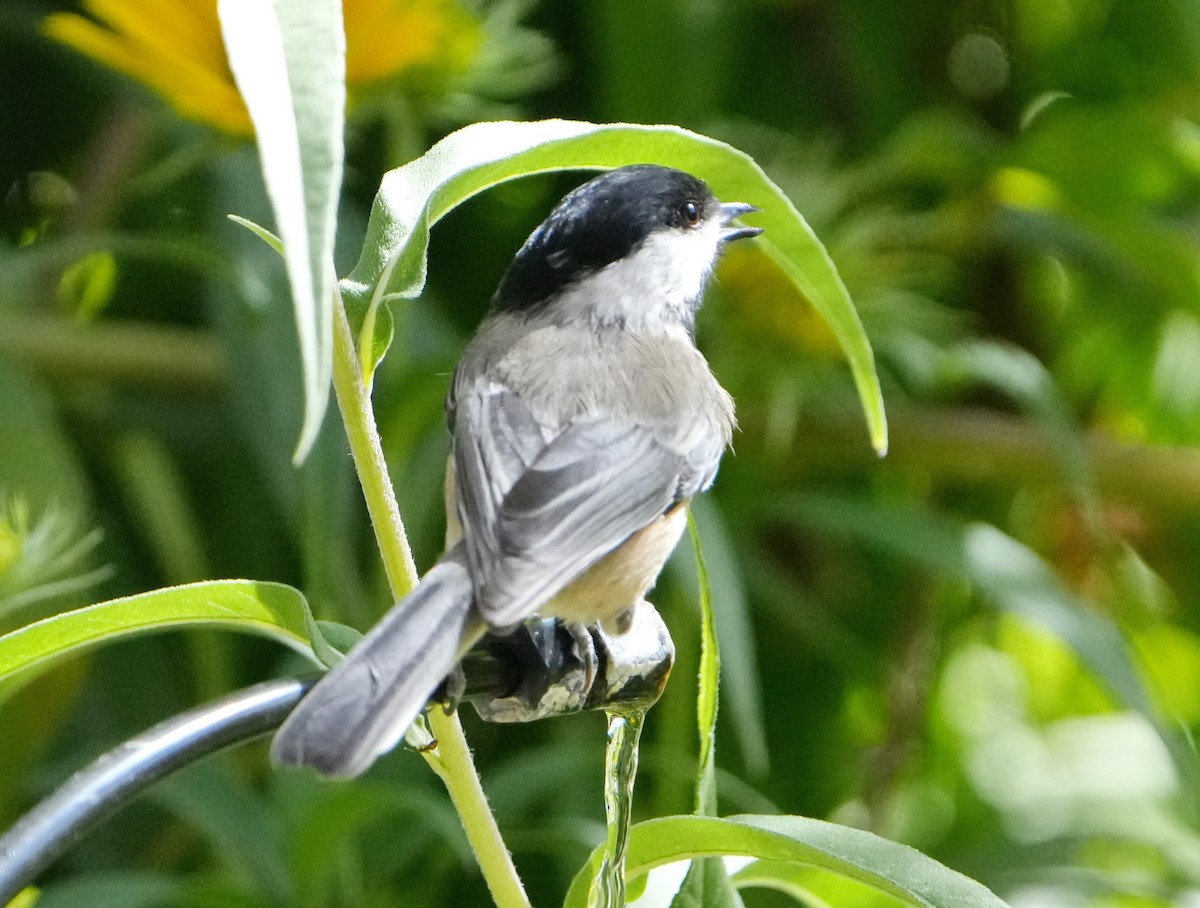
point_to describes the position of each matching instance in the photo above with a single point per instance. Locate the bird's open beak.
(729, 212)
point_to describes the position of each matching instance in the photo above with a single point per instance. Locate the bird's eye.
(690, 212)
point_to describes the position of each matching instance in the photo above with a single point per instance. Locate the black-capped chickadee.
(583, 419)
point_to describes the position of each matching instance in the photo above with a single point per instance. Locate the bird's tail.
(363, 707)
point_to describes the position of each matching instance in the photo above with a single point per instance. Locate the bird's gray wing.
(532, 524)
(496, 439)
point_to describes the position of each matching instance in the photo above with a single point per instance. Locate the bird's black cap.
(599, 223)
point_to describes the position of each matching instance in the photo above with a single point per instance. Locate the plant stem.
(451, 759)
(354, 400)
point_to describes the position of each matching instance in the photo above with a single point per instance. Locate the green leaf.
(269, 609)
(913, 878)
(811, 886)
(707, 695)
(259, 231)
(289, 63)
(414, 197)
(707, 885)
(331, 640)
(741, 689)
(87, 287)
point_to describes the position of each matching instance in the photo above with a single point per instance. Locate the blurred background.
(986, 645)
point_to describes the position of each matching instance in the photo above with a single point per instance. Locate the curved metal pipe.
(541, 670)
(95, 793)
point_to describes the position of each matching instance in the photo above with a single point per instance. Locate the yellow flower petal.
(176, 30)
(385, 37)
(196, 92)
(175, 46)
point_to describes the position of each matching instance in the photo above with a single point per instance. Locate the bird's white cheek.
(654, 287)
(682, 259)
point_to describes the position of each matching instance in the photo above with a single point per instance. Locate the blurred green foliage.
(986, 645)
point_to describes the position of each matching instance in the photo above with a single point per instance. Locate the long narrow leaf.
(897, 870)
(414, 197)
(707, 883)
(707, 696)
(289, 63)
(741, 688)
(269, 609)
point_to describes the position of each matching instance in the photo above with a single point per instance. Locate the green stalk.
(354, 401)
(451, 758)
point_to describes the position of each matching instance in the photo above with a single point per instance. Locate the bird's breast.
(607, 590)
(652, 379)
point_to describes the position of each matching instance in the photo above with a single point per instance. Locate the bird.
(583, 419)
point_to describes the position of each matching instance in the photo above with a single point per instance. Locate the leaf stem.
(451, 759)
